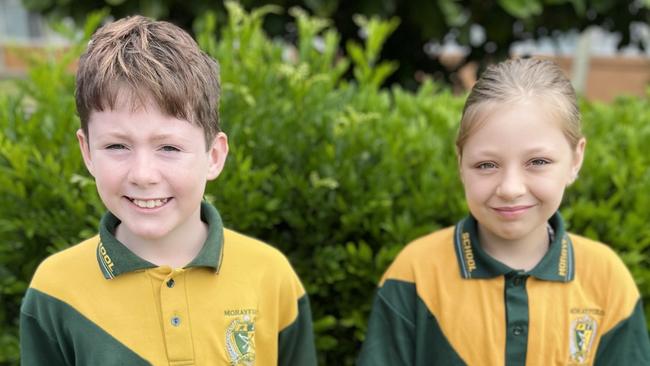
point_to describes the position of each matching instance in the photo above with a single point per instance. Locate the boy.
(163, 283)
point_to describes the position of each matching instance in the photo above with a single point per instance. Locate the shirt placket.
(175, 319)
(516, 303)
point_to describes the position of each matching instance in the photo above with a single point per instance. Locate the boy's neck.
(521, 254)
(177, 249)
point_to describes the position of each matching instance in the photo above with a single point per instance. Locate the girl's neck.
(521, 254)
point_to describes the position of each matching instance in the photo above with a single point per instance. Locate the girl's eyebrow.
(540, 150)
(494, 152)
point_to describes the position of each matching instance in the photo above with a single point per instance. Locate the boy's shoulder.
(255, 253)
(77, 261)
(84, 256)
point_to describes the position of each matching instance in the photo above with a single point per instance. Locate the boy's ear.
(85, 150)
(217, 154)
(578, 157)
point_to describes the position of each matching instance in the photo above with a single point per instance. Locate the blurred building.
(598, 69)
(21, 32)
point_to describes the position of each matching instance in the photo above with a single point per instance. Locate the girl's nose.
(511, 185)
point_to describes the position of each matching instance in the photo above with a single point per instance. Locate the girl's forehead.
(527, 112)
(512, 124)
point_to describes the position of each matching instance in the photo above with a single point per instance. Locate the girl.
(508, 285)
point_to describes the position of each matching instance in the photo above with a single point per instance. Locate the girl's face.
(515, 167)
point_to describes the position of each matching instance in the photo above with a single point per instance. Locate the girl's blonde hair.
(517, 80)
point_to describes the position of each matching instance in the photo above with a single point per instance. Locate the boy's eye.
(115, 147)
(169, 148)
(538, 162)
(486, 165)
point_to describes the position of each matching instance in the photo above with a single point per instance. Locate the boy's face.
(515, 168)
(150, 169)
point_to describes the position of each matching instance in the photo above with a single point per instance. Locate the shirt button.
(176, 321)
(171, 283)
(517, 330)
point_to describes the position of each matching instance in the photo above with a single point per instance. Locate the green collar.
(556, 265)
(114, 258)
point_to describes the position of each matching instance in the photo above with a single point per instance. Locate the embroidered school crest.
(581, 337)
(240, 340)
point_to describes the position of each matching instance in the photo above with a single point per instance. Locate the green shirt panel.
(577, 306)
(46, 326)
(403, 332)
(234, 304)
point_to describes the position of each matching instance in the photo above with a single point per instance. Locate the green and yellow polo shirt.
(444, 301)
(238, 302)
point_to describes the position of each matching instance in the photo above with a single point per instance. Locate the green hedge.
(338, 174)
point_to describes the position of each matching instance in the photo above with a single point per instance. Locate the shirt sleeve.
(627, 343)
(36, 346)
(296, 342)
(390, 339)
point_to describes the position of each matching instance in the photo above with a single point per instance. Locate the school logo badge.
(240, 340)
(581, 337)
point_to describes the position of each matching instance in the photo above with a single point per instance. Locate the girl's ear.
(578, 157)
(84, 146)
(459, 162)
(217, 152)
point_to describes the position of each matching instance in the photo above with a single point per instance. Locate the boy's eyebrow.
(173, 137)
(115, 134)
(155, 138)
(164, 136)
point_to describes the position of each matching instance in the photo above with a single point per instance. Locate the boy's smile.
(151, 170)
(515, 167)
(149, 203)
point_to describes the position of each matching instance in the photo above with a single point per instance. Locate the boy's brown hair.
(140, 61)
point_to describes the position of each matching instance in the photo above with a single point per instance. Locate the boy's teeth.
(150, 203)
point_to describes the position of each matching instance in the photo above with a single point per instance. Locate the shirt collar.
(556, 265)
(114, 258)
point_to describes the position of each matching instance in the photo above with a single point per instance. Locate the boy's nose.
(512, 185)
(143, 171)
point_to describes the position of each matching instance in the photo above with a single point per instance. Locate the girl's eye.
(486, 165)
(115, 147)
(169, 148)
(539, 162)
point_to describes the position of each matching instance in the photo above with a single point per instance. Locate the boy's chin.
(142, 232)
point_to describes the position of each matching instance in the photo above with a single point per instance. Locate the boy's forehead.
(135, 101)
(127, 101)
(143, 126)
(124, 109)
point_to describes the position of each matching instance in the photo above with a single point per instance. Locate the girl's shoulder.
(597, 262)
(593, 252)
